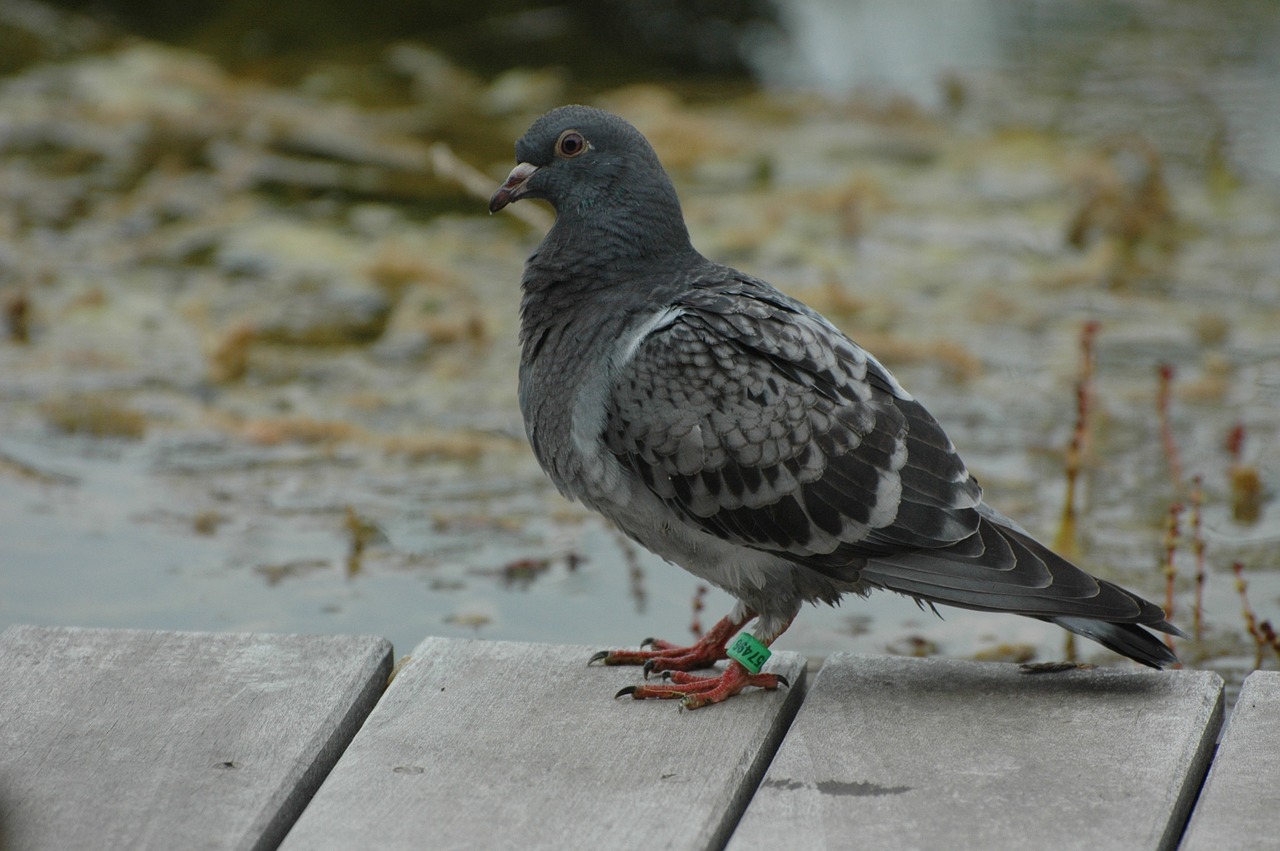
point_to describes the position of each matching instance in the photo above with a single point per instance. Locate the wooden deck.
(138, 739)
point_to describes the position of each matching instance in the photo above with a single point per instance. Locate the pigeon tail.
(1002, 569)
(1127, 639)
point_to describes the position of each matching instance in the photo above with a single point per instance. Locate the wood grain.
(482, 744)
(893, 753)
(1238, 806)
(142, 739)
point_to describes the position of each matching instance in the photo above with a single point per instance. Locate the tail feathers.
(1127, 639)
(1002, 569)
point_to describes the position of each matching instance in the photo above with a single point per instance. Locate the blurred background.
(258, 340)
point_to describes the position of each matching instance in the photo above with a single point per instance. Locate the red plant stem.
(1172, 535)
(1250, 622)
(699, 596)
(1273, 641)
(634, 571)
(1235, 443)
(1164, 396)
(1066, 542)
(1197, 547)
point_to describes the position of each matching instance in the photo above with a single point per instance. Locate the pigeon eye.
(570, 144)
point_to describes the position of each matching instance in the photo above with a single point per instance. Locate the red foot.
(695, 692)
(672, 657)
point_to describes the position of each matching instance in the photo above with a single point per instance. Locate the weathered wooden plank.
(1238, 807)
(141, 739)
(482, 744)
(894, 753)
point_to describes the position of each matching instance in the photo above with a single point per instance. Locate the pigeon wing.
(754, 419)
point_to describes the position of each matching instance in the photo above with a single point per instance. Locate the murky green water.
(299, 339)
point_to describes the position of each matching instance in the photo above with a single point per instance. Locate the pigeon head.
(594, 168)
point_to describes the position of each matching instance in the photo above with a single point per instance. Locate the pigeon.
(736, 432)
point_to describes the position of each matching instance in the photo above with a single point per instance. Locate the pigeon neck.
(622, 227)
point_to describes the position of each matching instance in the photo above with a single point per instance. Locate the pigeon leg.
(666, 656)
(694, 692)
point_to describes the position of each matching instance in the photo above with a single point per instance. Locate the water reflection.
(894, 48)
(1197, 79)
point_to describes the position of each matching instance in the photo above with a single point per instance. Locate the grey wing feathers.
(755, 420)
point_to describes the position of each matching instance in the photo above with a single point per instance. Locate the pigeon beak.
(514, 188)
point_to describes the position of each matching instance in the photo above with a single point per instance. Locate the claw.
(694, 691)
(666, 656)
(674, 663)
